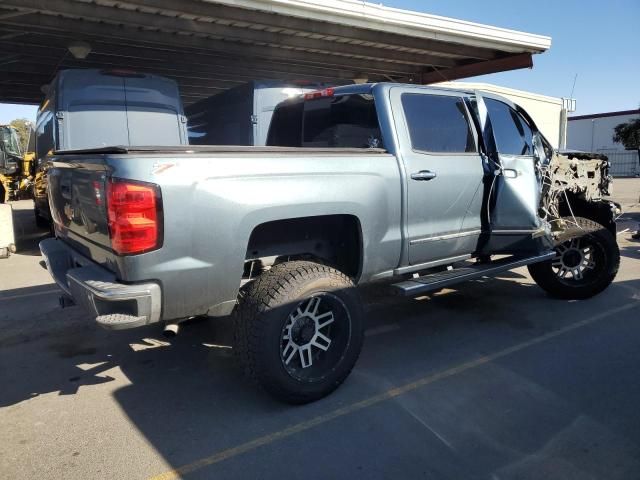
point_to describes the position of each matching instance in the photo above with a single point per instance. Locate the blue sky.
(599, 41)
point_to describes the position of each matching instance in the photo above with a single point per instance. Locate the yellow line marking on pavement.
(33, 294)
(387, 395)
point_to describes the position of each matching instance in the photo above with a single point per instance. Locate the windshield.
(9, 141)
(345, 121)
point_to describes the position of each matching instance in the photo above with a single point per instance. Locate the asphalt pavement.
(490, 380)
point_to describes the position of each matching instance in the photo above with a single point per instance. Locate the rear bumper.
(115, 305)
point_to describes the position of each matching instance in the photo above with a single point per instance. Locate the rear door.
(439, 149)
(154, 111)
(91, 112)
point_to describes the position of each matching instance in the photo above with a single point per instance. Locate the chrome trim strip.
(445, 237)
(431, 264)
(513, 232)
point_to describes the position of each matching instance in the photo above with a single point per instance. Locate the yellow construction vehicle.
(16, 166)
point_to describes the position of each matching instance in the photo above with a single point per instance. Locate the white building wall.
(595, 134)
(544, 110)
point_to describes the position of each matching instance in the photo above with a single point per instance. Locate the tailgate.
(76, 187)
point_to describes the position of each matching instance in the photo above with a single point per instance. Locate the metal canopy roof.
(211, 45)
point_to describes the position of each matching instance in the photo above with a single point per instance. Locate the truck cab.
(470, 163)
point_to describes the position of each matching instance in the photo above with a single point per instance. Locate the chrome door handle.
(423, 175)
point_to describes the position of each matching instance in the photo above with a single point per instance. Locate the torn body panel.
(566, 186)
(583, 174)
(575, 185)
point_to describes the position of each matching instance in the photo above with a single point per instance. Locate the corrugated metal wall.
(624, 163)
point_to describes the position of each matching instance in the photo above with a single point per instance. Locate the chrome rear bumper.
(115, 305)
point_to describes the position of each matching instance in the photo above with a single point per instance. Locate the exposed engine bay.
(575, 184)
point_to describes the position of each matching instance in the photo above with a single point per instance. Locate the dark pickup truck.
(87, 108)
(415, 186)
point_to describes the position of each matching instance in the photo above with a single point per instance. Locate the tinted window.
(512, 134)
(285, 129)
(45, 140)
(438, 123)
(348, 121)
(9, 139)
(344, 121)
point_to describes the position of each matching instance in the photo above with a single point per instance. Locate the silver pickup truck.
(416, 187)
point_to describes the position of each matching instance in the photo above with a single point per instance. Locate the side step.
(436, 281)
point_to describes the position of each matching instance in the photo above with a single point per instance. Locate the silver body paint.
(214, 197)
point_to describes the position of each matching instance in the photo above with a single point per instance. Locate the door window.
(438, 123)
(45, 140)
(512, 134)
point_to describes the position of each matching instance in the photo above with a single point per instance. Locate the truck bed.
(212, 198)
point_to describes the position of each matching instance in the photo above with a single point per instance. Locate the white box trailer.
(7, 237)
(546, 111)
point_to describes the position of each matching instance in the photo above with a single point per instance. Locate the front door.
(515, 190)
(444, 172)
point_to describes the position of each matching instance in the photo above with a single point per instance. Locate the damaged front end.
(575, 184)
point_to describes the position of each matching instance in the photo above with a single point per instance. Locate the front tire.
(587, 260)
(299, 330)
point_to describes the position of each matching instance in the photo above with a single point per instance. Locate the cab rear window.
(345, 121)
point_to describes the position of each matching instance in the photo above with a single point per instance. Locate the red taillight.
(327, 92)
(135, 216)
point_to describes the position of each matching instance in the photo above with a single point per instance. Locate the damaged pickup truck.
(417, 187)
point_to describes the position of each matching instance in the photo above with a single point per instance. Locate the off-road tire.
(607, 263)
(264, 306)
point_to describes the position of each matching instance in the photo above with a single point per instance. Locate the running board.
(436, 281)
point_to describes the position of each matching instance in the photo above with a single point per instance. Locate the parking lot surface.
(492, 379)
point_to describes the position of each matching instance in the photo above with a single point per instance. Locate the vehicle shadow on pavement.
(189, 401)
(631, 250)
(202, 397)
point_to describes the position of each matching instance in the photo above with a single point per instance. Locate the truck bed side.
(214, 198)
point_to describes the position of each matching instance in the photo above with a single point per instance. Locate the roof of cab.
(368, 88)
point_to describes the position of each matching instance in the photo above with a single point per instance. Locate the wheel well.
(599, 211)
(332, 239)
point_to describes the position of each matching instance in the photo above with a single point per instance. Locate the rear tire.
(299, 330)
(586, 263)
